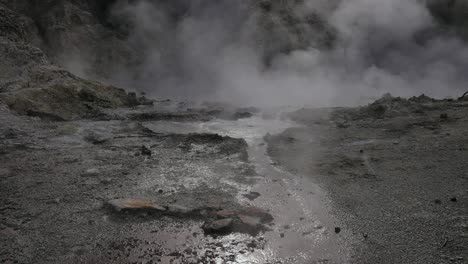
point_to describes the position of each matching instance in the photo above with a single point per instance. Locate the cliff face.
(32, 84)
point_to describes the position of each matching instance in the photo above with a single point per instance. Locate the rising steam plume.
(242, 51)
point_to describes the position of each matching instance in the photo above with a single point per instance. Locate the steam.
(210, 52)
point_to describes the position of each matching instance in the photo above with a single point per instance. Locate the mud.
(126, 190)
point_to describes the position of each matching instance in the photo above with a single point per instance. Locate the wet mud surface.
(158, 189)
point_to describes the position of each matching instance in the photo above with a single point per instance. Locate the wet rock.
(178, 209)
(252, 195)
(263, 215)
(145, 151)
(218, 226)
(224, 214)
(134, 205)
(249, 221)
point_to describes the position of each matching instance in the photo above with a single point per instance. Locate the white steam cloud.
(210, 52)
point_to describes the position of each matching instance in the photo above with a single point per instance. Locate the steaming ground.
(267, 53)
(91, 173)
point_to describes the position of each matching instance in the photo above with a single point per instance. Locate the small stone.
(134, 204)
(218, 225)
(145, 151)
(437, 201)
(106, 181)
(365, 235)
(443, 116)
(252, 195)
(337, 230)
(178, 209)
(90, 172)
(453, 199)
(281, 235)
(95, 138)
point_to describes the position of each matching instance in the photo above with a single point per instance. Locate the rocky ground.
(180, 182)
(396, 171)
(156, 184)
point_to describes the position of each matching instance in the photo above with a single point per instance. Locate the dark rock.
(132, 99)
(453, 199)
(281, 235)
(218, 226)
(145, 151)
(337, 230)
(443, 116)
(437, 201)
(252, 195)
(241, 115)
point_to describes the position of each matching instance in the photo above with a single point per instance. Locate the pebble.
(337, 230)
(90, 172)
(145, 151)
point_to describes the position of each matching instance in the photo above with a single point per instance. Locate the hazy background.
(234, 51)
